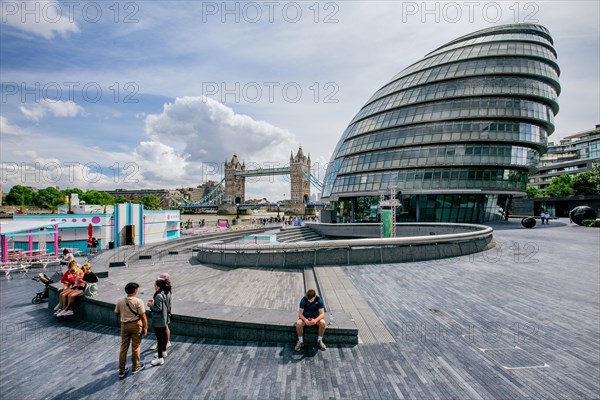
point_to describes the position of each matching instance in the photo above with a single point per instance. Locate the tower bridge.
(232, 198)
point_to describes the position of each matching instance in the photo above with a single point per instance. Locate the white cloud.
(34, 113)
(160, 164)
(44, 18)
(63, 109)
(206, 130)
(193, 136)
(7, 129)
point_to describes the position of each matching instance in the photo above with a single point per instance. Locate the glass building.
(453, 136)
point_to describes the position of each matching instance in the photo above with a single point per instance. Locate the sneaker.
(66, 313)
(158, 361)
(154, 346)
(168, 344)
(57, 307)
(124, 374)
(321, 345)
(139, 368)
(298, 346)
(58, 312)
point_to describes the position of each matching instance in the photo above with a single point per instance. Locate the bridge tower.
(300, 185)
(235, 186)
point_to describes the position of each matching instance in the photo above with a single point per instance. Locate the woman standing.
(167, 278)
(160, 318)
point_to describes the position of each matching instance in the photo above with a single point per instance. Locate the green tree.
(121, 199)
(97, 198)
(560, 186)
(106, 199)
(151, 202)
(49, 197)
(587, 182)
(68, 192)
(534, 193)
(20, 196)
(90, 197)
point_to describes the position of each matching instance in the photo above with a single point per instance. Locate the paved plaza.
(520, 320)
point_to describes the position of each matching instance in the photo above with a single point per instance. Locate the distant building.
(575, 154)
(194, 194)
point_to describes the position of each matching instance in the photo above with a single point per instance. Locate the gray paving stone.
(539, 289)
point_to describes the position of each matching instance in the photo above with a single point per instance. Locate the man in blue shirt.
(311, 312)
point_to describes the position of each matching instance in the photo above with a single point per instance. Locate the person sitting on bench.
(311, 312)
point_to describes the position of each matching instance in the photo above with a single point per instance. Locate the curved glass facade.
(465, 125)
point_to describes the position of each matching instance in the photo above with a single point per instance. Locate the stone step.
(303, 234)
(217, 321)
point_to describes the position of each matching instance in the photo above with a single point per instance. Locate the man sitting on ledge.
(311, 312)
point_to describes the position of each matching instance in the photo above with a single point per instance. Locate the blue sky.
(175, 88)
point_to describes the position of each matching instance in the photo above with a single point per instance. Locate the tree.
(560, 186)
(20, 196)
(98, 198)
(151, 202)
(90, 197)
(49, 197)
(121, 199)
(534, 193)
(587, 182)
(105, 199)
(68, 192)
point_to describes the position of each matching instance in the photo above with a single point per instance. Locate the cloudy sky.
(153, 94)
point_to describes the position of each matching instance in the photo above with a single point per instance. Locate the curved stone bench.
(442, 241)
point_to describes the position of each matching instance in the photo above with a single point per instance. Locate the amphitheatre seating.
(223, 320)
(216, 321)
(205, 320)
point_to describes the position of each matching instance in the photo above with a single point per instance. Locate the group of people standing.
(134, 324)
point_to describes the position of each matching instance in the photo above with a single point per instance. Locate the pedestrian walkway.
(520, 320)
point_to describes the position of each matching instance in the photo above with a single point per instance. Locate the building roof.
(8, 227)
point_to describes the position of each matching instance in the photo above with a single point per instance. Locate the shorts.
(78, 287)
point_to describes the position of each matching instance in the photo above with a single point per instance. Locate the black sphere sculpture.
(528, 222)
(581, 213)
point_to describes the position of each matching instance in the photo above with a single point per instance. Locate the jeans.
(130, 332)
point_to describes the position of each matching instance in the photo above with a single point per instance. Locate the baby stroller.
(43, 294)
